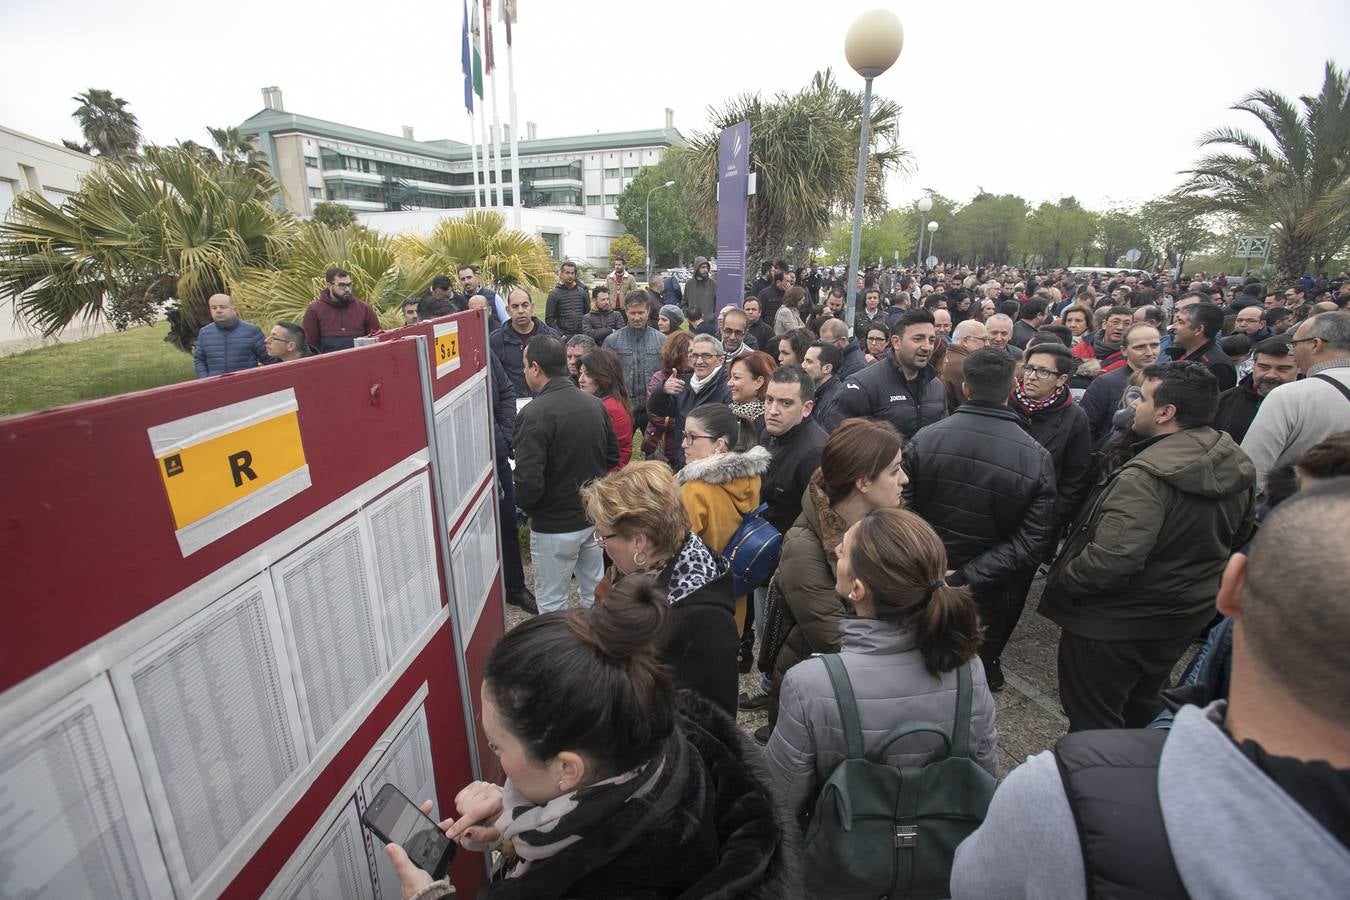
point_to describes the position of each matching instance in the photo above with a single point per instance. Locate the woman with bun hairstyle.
(859, 472)
(907, 635)
(720, 479)
(641, 522)
(616, 785)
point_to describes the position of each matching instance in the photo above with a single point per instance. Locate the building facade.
(317, 160)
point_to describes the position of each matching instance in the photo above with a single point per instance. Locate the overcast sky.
(1100, 100)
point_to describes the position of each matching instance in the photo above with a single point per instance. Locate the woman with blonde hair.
(641, 522)
(907, 642)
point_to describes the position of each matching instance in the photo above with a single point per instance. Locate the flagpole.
(483, 124)
(508, 15)
(473, 144)
(497, 143)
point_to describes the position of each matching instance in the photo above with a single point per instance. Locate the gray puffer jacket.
(891, 687)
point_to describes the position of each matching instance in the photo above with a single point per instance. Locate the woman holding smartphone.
(616, 784)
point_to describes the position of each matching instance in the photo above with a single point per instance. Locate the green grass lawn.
(86, 370)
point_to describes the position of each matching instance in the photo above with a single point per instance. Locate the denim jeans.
(556, 558)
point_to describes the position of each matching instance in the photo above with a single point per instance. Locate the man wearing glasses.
(735, 326)
(337, 318)
(285, 342)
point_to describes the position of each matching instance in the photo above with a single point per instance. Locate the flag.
(466, 64)
(487, 36)
(477, 59)
(508, 17)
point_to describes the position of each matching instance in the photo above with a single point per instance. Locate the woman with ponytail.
(616, 785)
(902, 646)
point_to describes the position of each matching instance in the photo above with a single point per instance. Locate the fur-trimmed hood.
(726, 467)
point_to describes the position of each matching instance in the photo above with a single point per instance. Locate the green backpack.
(887, 831)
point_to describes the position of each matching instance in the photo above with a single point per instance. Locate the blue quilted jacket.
(228, 350)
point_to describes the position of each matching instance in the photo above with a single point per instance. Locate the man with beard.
(337, 318)
(1272, 365)
(1142, 346)
(700, 291)
(1104, 345)
(904, 389)
(566, 305)
(1135, 582)
(603, 319)
(619, 282)
(988, 490)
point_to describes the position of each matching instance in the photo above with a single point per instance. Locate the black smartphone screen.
(396, 820)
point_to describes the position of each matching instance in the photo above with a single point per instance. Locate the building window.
(592, 199)
(629, 171)
(311, 162)
(611, 173)
(611, 199)
(316, 193)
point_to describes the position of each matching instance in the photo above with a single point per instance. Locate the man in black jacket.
(758, 330)
(563, 438)
(565, 309)
(1058, 424)
(795, 440)
(988, 490)
(1273, 365)
(1196, 331)
(904, 389)
(508, 342)
(603, 319)
(503, 424)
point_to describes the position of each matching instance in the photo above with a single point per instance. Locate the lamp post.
(932, 232)
(924, 205)
(647, 218)
(872, 46)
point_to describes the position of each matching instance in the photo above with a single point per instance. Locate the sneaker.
(763, 732)
(993, 674)
(524, 599)
(747, 702)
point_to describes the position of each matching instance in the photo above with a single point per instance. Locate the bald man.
(227, 343)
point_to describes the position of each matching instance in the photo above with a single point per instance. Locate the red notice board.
(228, 619)
(458, 375)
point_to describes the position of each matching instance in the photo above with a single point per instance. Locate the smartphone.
(395, 819)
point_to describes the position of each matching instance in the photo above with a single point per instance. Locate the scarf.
(751, 410)
(540, 832)
(698, 385)
(1028, 407)
(1102, 347)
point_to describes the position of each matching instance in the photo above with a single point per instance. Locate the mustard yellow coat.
(718, 492)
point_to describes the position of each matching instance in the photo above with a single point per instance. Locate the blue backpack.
(752, 552)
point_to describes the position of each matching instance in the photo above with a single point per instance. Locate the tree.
(138, 235)
(630, 248)
(804, 150)
(675, 235)
(1297, 177)
(387, 270)
(334, 215)
(109, 128)
(1172, 233)
(986, 229)
(235, 149)
(1120, 230)
(881, 239)
(1059, 232)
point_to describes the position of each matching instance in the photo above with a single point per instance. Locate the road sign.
(1132, 255)
(1252, 246)
(931, 261)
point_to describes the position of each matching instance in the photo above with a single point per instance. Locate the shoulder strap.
(848, 706)
(1323, 376)
(961, 727)
(1110, 780)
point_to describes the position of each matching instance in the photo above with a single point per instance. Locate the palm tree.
(136, 236)
(237, 149)
(1297, 178)
(804, 149)
(109, 127)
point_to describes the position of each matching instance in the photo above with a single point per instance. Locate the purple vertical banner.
(733, 183)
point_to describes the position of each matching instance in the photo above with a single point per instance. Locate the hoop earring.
(639, 562)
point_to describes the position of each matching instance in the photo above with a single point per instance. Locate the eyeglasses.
(1038, 372)
(273, 337)
(702, 357)
(1301, 340)
(690, 437)
(599, 539)
(342, 284)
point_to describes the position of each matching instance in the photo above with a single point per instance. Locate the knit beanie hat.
(672, 312)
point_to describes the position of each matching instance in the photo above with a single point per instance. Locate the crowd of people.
(1167, 457)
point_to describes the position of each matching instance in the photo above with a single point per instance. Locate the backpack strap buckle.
(906, 836)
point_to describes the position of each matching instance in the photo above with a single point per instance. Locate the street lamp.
(872, 46)
(647, 217)
(925, 204)
(932, 232)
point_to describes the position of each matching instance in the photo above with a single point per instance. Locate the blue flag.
(464, 60)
